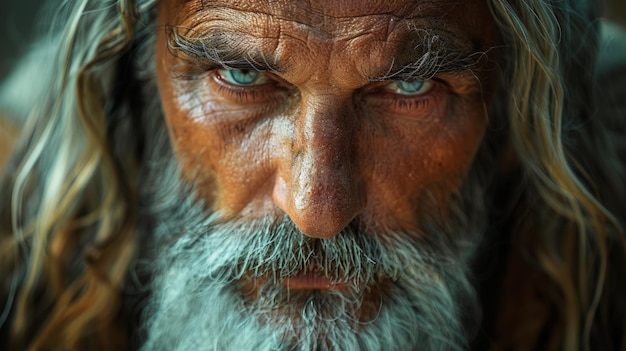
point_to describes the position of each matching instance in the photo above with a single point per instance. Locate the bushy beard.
(219, 285)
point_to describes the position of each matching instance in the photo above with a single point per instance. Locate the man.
(297, 175)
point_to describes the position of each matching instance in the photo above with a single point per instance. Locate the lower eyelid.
(411, 104)
(388, 101)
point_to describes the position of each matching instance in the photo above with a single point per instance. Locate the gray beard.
(405, 290)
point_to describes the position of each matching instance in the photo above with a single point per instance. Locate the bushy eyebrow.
(436, 53)
(218, 49)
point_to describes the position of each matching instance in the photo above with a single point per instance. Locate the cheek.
(219, 145)
(405, 160)
(456, 141)
(193, 140)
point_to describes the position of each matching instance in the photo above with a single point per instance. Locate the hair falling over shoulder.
(68, 199)
(557, 133)
(69, 202)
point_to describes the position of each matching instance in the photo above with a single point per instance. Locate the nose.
(318, 183)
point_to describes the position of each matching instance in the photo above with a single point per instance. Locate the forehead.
(333, 18)
(335, 9)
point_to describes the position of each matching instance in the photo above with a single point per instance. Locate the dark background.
(21, 21)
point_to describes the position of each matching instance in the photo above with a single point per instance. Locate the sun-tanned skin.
(322, 138)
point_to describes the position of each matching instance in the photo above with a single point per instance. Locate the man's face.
(334, 114)
(340, 124)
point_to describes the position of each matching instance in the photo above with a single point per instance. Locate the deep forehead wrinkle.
(340, 8)
(202, 17)
(326, 20)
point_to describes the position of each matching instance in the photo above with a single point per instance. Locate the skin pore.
(325, 142)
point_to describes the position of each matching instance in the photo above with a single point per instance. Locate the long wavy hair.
(69, 202)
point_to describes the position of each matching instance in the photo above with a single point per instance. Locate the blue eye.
(413, 87)
(243, 77)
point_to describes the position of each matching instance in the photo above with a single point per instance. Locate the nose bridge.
(319, 187)
(323, 139)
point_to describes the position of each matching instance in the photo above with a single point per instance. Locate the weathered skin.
(321, 139)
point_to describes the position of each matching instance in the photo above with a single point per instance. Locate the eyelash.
(411, 104)
(245, 94)
(403, 104)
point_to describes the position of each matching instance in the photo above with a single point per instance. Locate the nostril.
(280, 194)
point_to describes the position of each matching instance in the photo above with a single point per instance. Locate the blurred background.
(21, 21)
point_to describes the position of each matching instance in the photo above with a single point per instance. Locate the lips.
(312, 281)
(288, 295)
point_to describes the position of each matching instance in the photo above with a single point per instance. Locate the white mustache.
(276, 249)
(197, 272)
